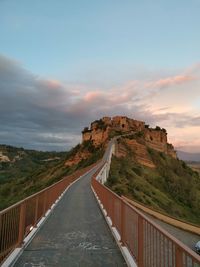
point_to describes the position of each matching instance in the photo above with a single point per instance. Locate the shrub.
(157, 128)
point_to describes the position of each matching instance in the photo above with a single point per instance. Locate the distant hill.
(188, 156)
(24, 172)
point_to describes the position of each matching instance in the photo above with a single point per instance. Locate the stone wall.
(157, 136)
(126, 124)
(157, 139)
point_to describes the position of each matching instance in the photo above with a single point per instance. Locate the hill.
(145, 167)
(24, 172)
(155, 179)
(188, 156)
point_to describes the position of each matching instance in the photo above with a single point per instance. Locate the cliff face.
(78, 157)
(141, 155)
(102, 130)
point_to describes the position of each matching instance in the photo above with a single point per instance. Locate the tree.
(158, 128)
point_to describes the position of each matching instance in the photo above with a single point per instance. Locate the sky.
(66, 63)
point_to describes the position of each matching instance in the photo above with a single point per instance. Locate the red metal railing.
(149, 244)
(18, 220)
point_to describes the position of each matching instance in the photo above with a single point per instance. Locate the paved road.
(75, 234)
(189, 239)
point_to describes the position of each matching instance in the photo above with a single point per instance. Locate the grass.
(172, 188)
(194, 165)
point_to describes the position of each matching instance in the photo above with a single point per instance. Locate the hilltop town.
(102, 130)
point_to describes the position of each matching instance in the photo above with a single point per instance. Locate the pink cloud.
(170, 81)
(92, 96)
(52, 84)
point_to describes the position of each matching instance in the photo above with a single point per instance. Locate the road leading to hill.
(74, 235)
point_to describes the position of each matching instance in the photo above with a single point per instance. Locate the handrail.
(17, 221)
(148, 243)
(189, 227)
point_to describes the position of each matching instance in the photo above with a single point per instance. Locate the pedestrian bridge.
(80, 222)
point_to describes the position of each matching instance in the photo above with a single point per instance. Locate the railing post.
(21, 223)
(112, 210)
(140, 242)
(36, 209)
(44, 202)
(179, 257)
(122, 234)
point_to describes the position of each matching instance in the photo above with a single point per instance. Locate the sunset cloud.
(50, 114)
(51, 84)
(170, 81)
(92, 96)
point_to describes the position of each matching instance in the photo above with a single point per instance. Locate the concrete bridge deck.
(75, 234)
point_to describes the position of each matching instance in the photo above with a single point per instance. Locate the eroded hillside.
(155, 179)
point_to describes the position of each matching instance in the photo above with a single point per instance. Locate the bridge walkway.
(75, 234)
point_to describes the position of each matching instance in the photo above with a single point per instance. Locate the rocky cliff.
(102, 130)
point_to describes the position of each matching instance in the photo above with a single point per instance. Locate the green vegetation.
(86, 129)
(194, 165)
(138, 136)
(30, 171)
(164, 130)
(114, 133)
(158, 128)
(172, 187)
(101, 124)
(96, 154)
